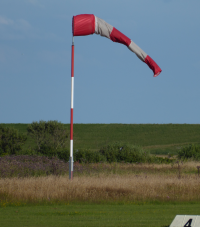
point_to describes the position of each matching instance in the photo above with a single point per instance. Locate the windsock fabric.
(88, 24)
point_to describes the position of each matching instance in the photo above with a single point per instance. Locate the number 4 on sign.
(188, 224)
(186, 221)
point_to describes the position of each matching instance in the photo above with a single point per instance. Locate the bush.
(50, 137)
(190, 152)
(119, 152)
(88, 156)
(64, 155)
(11, 140)
(61, 153)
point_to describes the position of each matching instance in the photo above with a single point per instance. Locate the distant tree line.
(51, 137)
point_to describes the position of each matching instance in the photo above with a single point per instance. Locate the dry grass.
(106, 187)
(177, 168)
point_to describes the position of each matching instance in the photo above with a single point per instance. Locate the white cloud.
(19, 24)
(14, 29)
(5, 21)
(22, 24)
(36, 3)
(21, 28)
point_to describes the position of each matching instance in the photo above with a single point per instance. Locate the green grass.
(157, 138)
(147, 215)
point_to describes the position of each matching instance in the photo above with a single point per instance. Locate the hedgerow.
(191, 152)
(119, 152)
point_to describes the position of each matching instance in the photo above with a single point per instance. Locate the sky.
(111, 84)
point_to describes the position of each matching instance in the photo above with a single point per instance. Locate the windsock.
(88, 24)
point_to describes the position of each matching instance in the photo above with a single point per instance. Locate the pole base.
(71, 176)
(71, 168)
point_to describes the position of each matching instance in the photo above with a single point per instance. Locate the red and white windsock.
(87, 24)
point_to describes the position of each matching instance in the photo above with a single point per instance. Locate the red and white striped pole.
(71, 113)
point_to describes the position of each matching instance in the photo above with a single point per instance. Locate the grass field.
(107, 183)
(103, 188)
(103, 194)
(117, 194)
(157, 138)
(90, 215)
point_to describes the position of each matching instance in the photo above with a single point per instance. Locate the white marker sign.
(186, 221)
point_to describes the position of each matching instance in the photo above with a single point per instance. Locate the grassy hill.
(158, 138)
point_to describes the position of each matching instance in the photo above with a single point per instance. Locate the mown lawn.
(146, 215)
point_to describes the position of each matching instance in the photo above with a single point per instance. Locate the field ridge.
(158, 138)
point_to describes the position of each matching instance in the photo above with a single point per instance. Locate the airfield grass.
(109, 194)
(86, 215)
(157, 138)
(97, 183)
(118, 194)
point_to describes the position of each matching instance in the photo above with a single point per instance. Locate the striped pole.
(71, 113)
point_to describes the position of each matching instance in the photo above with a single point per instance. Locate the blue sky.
(111, 84)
